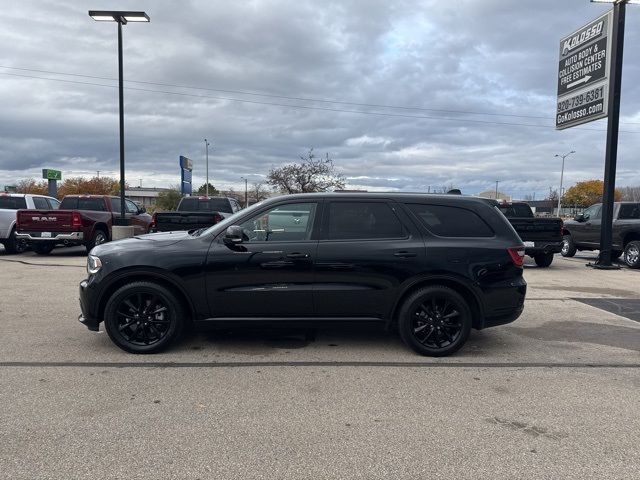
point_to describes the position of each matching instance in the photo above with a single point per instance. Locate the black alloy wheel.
(435, 321)
(568, 247)
(143, 317)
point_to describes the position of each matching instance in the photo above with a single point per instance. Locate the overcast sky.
(403, 95)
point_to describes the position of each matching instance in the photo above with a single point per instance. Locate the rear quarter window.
(449, 221)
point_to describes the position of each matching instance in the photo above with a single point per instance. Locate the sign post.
(611, 157)
(589, 85)
(53, 176)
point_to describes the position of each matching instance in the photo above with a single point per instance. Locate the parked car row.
(43, 222)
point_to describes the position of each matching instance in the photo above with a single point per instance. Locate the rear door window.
(95, 204)
(40, 203)
(629, 211)
(53, 203)
(363, 220)
(449, 221)
(12, 203)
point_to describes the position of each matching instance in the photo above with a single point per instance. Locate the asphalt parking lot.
(554, 395)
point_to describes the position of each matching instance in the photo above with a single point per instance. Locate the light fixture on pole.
(121, 18)
(246, 193)
(206, 148)
(561, 177)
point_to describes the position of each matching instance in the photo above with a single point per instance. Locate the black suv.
(434, 265)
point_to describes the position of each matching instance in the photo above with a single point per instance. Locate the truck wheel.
(435, 321)
(568, 247)
(43, 248)
(143, 317)
(632, 254)
(543, 260)
(99, 237)
(13, 245)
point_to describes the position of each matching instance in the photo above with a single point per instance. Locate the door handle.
(404, 254)
(297, 255)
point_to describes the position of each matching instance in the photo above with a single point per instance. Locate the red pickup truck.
(80, 220)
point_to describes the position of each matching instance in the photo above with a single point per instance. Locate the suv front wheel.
(435, 321)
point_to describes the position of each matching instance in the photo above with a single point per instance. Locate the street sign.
(49, 174)
(583, 74)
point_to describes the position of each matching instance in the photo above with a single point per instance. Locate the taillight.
(517, 255)
(152, 225)
(76, 220)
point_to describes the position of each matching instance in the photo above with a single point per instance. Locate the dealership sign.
(583, 74)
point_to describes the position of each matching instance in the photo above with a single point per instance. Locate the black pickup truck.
(542, 237)
(583, 232)
(194, 213)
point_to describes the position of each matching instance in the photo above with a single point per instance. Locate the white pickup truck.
(10, 203)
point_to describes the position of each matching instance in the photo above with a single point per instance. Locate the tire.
(568, 247)
(43, 248)
(632, 254)
(150, 331)
(13, 245)
(442, 313)
(98, 238)
(543, 260)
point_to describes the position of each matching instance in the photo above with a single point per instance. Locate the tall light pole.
(206, 148)
(121, 18)
(246, 193)
(561, 177)
(497, 182)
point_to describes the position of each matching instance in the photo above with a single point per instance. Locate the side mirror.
(234, 235)
(579, 217)
(142, 210)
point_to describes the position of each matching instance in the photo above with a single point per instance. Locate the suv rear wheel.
(568, 247)
(435, 321)
(143, 317)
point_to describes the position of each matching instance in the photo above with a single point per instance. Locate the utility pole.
(497, 181)
(98, 171)
(561, 177)
(206, 147)
(246, 193)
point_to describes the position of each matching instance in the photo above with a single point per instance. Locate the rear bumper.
(542, 247)
(55, 237)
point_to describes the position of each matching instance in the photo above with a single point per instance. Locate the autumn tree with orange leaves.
(585, 194)
(31, 185)
(93, 186)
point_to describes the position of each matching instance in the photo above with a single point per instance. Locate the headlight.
(93, 264)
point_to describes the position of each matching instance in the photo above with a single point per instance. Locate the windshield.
(232, 219)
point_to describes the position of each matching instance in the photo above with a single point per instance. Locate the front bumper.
(86, 317)
(54, 236)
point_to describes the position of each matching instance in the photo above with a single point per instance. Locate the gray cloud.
(495, 57)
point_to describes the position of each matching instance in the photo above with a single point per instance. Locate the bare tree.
(630, 193)
(259, 191)
(311, 175)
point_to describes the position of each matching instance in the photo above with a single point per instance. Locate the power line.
(268, 95)
(305, 107)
